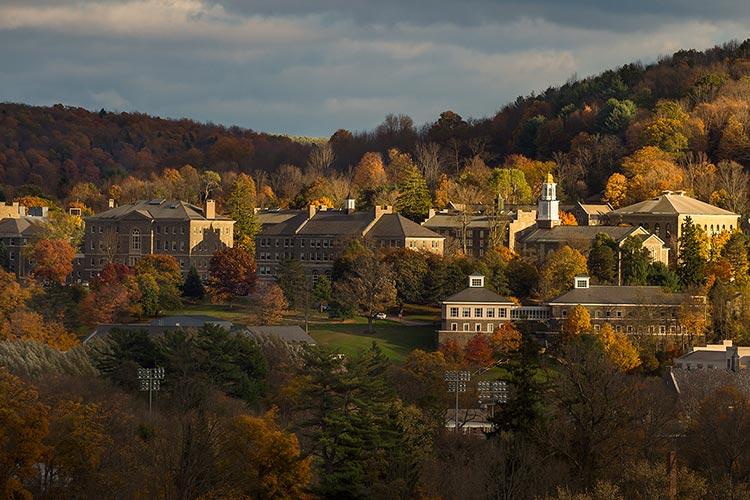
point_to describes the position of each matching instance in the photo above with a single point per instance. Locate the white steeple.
(548, 208)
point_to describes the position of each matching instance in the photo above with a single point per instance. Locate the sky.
(306, 67)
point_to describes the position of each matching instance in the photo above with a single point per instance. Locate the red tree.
(232, 274)
(478, 351)
(53, 260)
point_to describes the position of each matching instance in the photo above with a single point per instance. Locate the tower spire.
(548, 207)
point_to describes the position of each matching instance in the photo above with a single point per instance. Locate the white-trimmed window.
(454, 312)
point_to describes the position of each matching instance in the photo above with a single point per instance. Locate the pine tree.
(735, 251)
(241, 206)
(602, 259)
(635, 261)
(193, 286)
(291, 279)
(414, 199)
(692, 263)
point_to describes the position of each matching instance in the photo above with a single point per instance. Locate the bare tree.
(429, 162)
(287, 181)
(465, 198)
(700, 175)
(734, 180)
(320, 160)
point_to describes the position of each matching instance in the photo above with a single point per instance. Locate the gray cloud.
(286, 66)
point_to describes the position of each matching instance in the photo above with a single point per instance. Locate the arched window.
(135, 240)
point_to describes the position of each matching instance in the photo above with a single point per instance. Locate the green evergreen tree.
(291, 278)
(414, 199)
(241, 207)
(635, 261)
(524, 407)
(322, 291)
(602, 259)
(349, 420)
(735, 252)
(659, 274)
(692, 263)
(193, 285)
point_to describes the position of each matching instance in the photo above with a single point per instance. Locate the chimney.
(431, 213)
(111, 203)
(381, 210)
(311, 210)
(210, 210)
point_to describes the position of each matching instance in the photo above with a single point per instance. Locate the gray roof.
(22, 226)
(337, 222)
(396, 225)
(673, 204)
(155, 209)
(478, 295)
(614, 295)
(577, 233)
(291, 334)
(190, 321)
(595, 208)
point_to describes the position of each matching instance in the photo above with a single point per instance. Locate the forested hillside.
(686, 116)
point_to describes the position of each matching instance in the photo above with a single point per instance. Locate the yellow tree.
(650, 171)
(562, 266)
(619, 348)
(506, 340)
(616, 191)
(262, 461)
(23, 426)
(567, 218)
(577, 322)
(369, 172)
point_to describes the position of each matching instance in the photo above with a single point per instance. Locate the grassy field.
(395, 339)
(346, 336)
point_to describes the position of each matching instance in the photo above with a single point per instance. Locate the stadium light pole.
(150, 380)
(456, 380)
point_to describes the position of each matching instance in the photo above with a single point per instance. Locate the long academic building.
(123, 234)
(317, 236)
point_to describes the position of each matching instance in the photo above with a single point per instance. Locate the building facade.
(125, 233)
(665, 215)
(316, 237)
(477, 309)
(634, 310)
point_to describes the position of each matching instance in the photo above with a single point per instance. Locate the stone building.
(125, 233)
(630, 309)
(16, 234)
(538, 241)
(665, 215)
(591, 214)
(481, 228)
(317, 236)
(476, 309)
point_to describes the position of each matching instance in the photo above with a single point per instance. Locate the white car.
(381, 316)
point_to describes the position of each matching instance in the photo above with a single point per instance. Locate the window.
(466, 312)
(454, 326)
(477, 312)
(454, 312)
(478, 327)
(490, 312)
(490, 328)
(503, 312)
(476, 281)
(564, 314)
(597, 327)
(135, 240)
(466, 327)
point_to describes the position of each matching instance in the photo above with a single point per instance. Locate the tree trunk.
(369, 324)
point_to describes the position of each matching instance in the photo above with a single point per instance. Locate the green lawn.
(348, 336)
(396, 340)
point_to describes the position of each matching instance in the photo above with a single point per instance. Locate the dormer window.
(581, 282)
(476, 281)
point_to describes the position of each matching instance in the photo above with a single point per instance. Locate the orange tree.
(232, 274)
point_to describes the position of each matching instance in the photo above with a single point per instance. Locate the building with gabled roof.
(16, 233)
(123, 234)
(664, 216)
(591, 214)
(630, 309)
(317, 236)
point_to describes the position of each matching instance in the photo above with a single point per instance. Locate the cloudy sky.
(309, 67)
